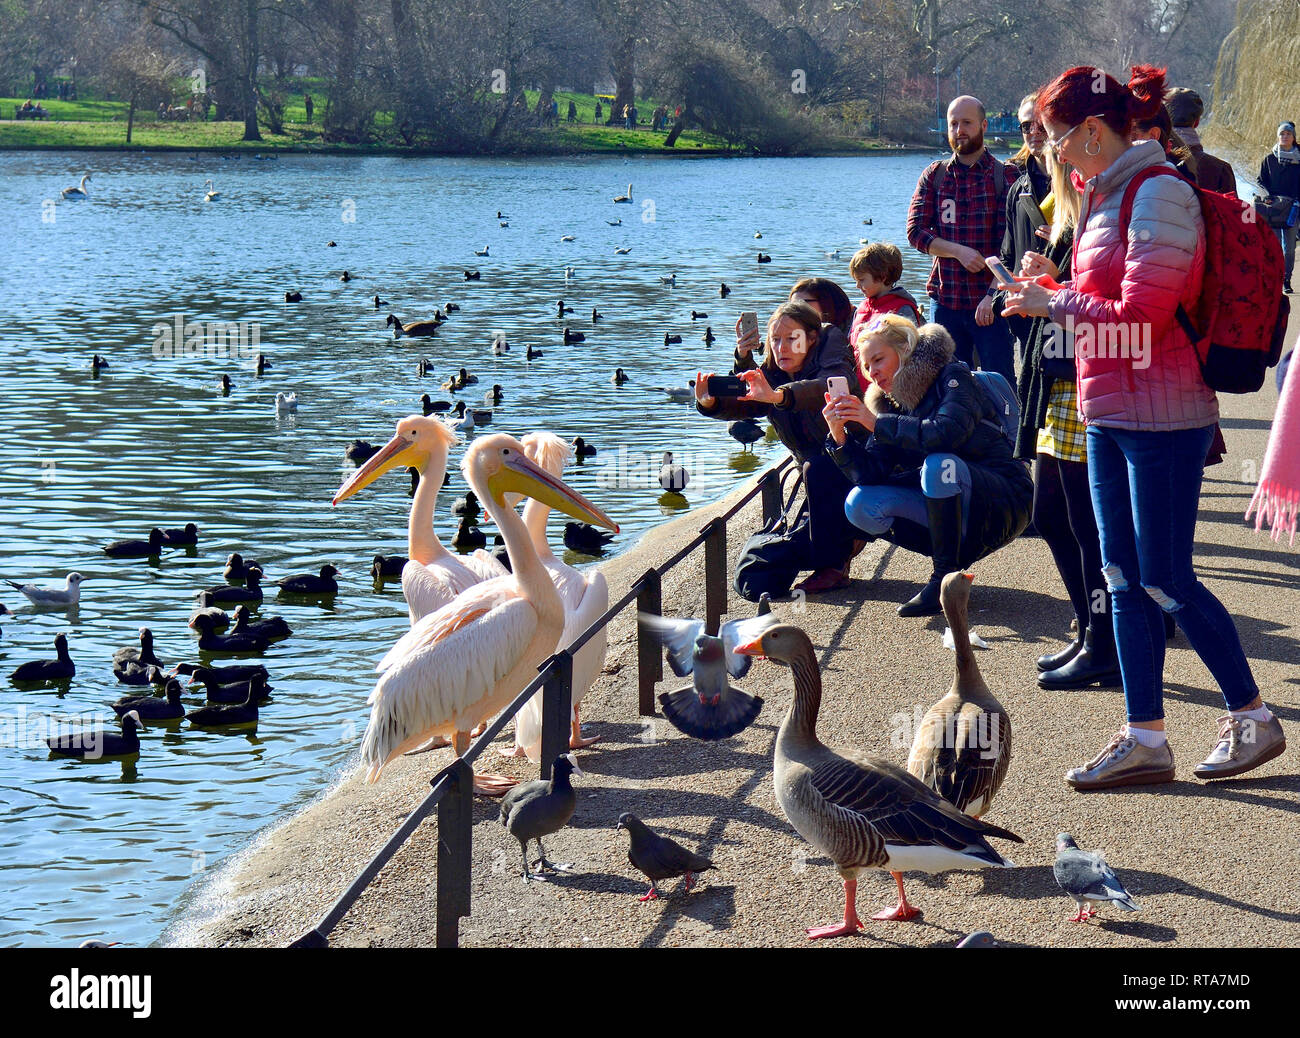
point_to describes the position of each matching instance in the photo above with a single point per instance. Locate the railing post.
(649, 657)
(771, 484)
(557, 699)
(715, 575)
(455, 833)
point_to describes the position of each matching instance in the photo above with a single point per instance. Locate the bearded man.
(958, 216)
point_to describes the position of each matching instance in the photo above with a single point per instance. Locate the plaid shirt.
(959, 204)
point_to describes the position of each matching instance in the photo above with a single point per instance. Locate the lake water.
(112, 849)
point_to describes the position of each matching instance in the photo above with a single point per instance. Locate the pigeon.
(68, 595)
(539, 808)
(978, 939)
(1087, 878)
(710, 708)
(658, 857)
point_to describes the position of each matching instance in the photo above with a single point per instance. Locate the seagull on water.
(68, 595)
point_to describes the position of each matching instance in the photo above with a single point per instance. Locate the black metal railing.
(453, 787)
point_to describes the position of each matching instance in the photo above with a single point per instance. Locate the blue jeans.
(992, 342)
(1287, 236)
(1146, 488)
(873, 509)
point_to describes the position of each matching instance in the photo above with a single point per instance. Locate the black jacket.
(1278, 177)
(1023, 219)
(800, 425)
(937, 407)
(1038, 373)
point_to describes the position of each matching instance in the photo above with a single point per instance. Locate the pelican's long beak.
(398, 452)
(750, 648)
(519, 475)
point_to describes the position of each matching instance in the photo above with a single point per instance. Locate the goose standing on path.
(963, 746)
(461, 665)
(212, 194)
(624, 198)
(434, 577)
(73, 193)
(859, 810)
(585, 597)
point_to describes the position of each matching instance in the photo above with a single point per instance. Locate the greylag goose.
(861, 811)
(963, 746)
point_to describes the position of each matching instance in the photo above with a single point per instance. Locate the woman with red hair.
(1150, 417)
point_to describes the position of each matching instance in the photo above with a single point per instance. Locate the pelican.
(585, 597)
(434, 576)
(462, 664)
(627, 197)
(77, 192)
(213, 194)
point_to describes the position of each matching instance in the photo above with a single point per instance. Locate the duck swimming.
(136, 549)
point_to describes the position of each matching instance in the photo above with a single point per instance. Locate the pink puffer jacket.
(1136, 367)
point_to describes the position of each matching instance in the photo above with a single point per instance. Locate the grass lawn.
(102, 124)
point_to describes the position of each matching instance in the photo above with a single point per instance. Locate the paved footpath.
(1210, 864)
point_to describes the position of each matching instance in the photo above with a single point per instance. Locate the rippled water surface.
(113, 848)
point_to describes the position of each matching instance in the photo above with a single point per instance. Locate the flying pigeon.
(710, 708)
(1087, 878)
(658, 857)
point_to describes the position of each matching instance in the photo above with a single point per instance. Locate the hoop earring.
(1092, 154)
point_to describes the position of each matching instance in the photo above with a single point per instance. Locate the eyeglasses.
(1055, 145)
(1032, 127)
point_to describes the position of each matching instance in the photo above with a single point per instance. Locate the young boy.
(875, 268)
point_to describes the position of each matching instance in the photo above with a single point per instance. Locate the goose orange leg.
(902, 911)
(851, 925)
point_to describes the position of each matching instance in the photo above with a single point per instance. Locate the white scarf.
(1293, 155)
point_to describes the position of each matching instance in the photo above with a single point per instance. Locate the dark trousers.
(1063, 516)
(830, 530)
(992, 342)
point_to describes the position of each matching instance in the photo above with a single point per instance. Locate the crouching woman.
(932, 468)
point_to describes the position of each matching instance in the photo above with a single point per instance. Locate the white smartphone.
(999, 271)
(748, 322)
(837, 385)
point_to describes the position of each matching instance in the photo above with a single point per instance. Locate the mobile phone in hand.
(727, 385)
(999, 271)
(837, 385)
(748, 322)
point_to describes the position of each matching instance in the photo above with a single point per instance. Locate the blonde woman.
(932, 469)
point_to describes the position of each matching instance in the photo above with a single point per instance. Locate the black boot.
(909, 535)
(1051, 661)
(944, 514)
(1096, 663)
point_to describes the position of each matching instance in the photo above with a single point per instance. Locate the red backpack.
(1240, 318)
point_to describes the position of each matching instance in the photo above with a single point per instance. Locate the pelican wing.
(427, 588)
(480, 597)
(590, 659)
(484, 564)
(457, 657)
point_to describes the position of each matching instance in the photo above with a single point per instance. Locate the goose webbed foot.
(901, 912)
(851, 924)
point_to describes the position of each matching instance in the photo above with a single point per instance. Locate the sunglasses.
(1032, 127)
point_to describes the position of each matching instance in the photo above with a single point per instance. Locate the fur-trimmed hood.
(934, 352)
